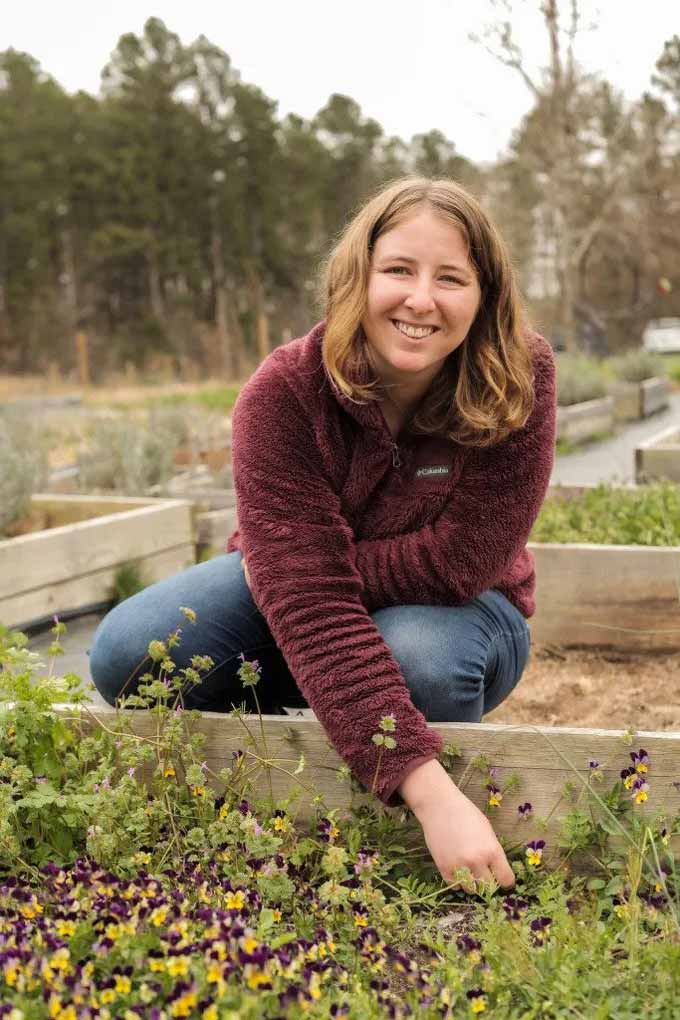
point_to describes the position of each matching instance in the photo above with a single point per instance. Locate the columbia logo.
(426, 472)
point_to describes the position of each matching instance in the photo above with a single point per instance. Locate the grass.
(649, 515)
(188, 897)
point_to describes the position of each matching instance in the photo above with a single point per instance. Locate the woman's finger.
(502, 871)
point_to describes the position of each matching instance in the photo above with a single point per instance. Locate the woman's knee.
(445, 673)
(116, 654)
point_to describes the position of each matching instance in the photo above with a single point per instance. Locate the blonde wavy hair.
(485, 388)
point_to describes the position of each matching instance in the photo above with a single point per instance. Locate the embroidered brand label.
(436, 469)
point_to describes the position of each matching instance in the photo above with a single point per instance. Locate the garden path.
(613, 460)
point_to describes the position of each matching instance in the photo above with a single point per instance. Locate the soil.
(600, 688)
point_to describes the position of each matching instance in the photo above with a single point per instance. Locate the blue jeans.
(458, 663)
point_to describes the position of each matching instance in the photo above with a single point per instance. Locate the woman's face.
(423, 296)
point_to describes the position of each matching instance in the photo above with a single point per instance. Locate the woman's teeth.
(414, 332)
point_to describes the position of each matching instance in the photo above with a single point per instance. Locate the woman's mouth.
(414, 332)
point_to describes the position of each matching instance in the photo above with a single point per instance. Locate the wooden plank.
(33, 561)
(20, 609)
(70, 508)
(540, 756)
(580, 421)
(626, 596)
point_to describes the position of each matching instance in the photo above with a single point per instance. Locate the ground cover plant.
(605, 514)
(136, 883)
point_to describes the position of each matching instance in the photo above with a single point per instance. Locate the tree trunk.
(229, 366)
(155, 289)
(260, 315)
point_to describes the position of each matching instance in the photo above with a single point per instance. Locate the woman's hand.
(456, 832)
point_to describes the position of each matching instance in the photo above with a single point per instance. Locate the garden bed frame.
(636, 400)
(659, 457)
(539, 756)
(579, 422)
(72, 564)
(619, 596)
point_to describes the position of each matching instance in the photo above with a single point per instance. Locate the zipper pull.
(396, 462)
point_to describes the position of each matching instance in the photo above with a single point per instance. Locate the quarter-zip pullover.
(336, 520)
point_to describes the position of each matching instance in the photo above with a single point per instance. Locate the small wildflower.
(525, 811)
(515, 907)
(628, 776)
(495, 795)
(640, 790)
(249, 672)
(471, 947)
(131, 772)
(640, 760)
(539, 928)
(595, 770)
(157, 650)
(534, 852)
(169, 771)
(477, 1000)
(188, 613)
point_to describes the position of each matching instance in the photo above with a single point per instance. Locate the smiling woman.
(388, 469)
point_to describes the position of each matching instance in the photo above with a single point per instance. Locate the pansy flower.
(534, 852)
(327, 830)
(477, 1000)
(471, 947)
(495, 795)
(628, 776)
(640, 790)
(539, 928)
(515, 907)
(640, 760)
(525, 811)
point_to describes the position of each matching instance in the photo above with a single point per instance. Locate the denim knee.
(113, 657)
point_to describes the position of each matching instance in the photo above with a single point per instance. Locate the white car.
(662, 336)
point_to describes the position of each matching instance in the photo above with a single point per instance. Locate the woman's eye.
(397, 269)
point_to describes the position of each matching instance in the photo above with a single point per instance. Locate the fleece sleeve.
(301, 560)
(484, 528)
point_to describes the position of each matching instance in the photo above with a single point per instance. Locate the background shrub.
(23, 467)
(579, 379)
(636, 365)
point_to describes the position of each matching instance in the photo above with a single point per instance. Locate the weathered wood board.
(543, 758)
(607, 595)
(581, 421)
(73, 565)
(659, 457)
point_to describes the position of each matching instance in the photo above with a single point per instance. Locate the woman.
(388, 469)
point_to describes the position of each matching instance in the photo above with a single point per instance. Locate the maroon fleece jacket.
(336, 520)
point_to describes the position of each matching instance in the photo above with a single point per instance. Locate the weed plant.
(135, 882)
(648, 515)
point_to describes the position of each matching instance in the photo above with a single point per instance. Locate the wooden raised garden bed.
(579, 422)
(635, 400)
(659, 457)
(72, 561)
(624, 596)
(543, 757)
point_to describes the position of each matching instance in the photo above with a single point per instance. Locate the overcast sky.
(408, 63)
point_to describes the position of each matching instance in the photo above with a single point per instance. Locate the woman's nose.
(421, 297)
